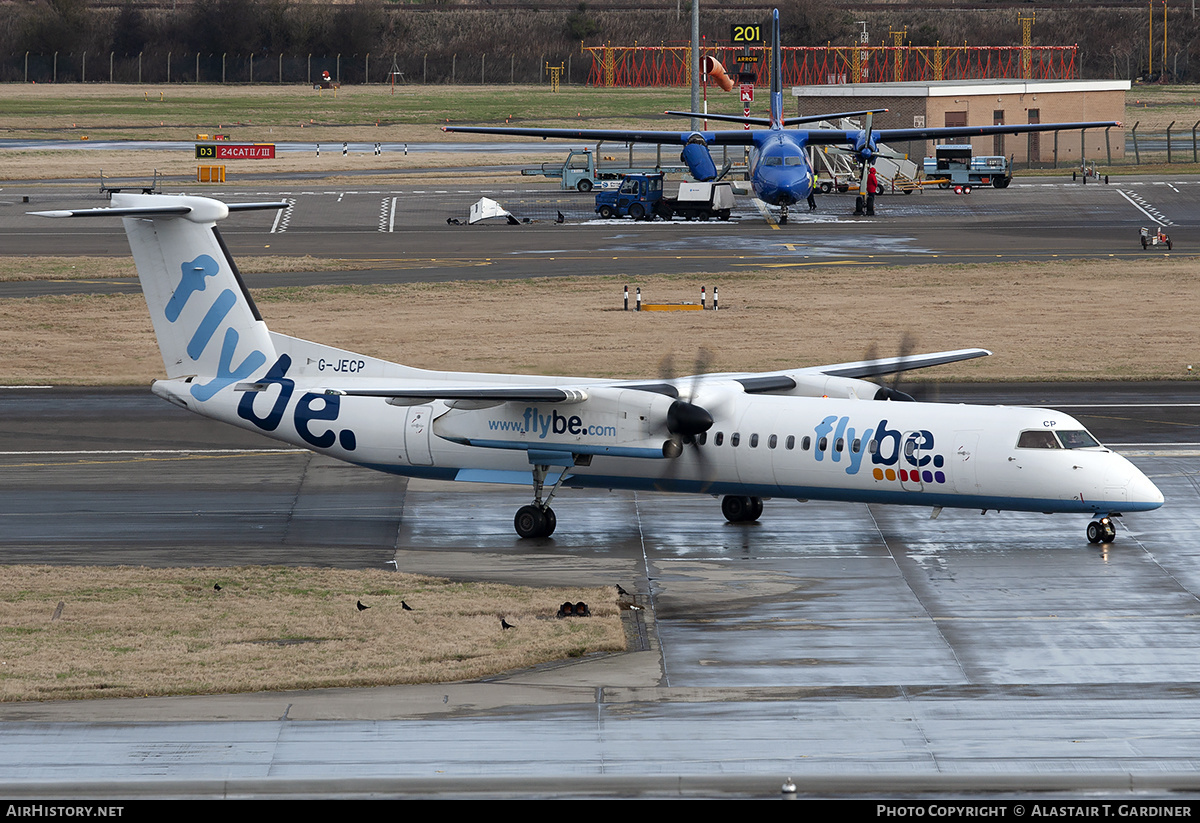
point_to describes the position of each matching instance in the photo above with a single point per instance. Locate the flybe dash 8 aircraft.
(780, 171)
(818, 432)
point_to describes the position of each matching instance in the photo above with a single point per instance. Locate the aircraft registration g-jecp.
(780, 171)
(820, 432)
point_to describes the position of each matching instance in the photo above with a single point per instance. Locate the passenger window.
(839, 444)
(805, 442)
(790, 443)
(856, 446)
(823, 444)
(873, 446)
(1037, 439)
(720, 438)
(734, 439)
(754, 441)
(772, 441)
(702, 438)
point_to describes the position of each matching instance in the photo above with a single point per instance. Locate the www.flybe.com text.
(545, 424)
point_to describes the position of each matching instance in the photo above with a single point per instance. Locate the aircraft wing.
(891, 365)
(499, 394)
(712, 138)
(829, 137)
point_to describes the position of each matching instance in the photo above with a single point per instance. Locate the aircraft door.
(963, 462)
(418, 428)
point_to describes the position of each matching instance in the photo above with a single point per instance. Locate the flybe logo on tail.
(192, 282)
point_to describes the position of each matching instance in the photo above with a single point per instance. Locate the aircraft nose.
(1143, 494)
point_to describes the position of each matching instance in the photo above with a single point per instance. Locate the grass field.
(124, 632)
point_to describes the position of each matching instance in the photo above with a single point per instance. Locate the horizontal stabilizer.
(169, 207)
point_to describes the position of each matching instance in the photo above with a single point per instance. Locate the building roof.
(949, 88)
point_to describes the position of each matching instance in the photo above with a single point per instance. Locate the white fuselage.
(760, 445)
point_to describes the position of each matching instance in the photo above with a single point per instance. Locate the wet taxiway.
(851, 647)
(403, 231)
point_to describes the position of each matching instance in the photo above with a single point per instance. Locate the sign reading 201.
(745, 33)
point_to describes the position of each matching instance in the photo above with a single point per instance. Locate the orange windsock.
(714, 69)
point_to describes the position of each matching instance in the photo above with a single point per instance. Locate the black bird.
(560, 219)
(405, 606)
(216, 587)
(621, 591)
(361, 607)
(504, 624)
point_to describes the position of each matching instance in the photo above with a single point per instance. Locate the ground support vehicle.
(955, 166)
(640, 196)
(1154, 237)
(582, 171)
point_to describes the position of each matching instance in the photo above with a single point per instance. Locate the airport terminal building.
(988, 102)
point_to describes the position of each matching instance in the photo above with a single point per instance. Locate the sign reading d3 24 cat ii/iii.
(236, 151)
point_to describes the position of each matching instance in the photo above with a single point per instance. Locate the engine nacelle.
(823, 385)
(699, 162)
(610, 422)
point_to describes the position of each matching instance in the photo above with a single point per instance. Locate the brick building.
(984, 103)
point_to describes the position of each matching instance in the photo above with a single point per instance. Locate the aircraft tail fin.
(776, 73)
(204, 318)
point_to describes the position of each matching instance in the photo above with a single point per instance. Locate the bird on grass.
(361, 607)
(405, 606)
(504, 624)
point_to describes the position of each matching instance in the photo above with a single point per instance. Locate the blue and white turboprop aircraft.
(819, 432)
(780, 172)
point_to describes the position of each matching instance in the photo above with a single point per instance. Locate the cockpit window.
(794, 160)
(772, 161)
(1037, 439)
(1078, 439)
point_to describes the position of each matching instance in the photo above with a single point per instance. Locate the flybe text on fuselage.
(893, 453)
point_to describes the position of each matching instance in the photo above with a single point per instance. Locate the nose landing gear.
(1103, 530)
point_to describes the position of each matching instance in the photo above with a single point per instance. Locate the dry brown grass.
(130, 632)
(1042, 321)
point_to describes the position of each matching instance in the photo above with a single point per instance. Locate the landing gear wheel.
(532, 521)
(756, 508)
(637, 211)
(606, 212)
(584, 186)
(1101, 531)
(741, 509)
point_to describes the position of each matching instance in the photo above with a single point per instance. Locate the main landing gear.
(783, 215)
(537, 519)
(741, 509)
(1103, 530)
